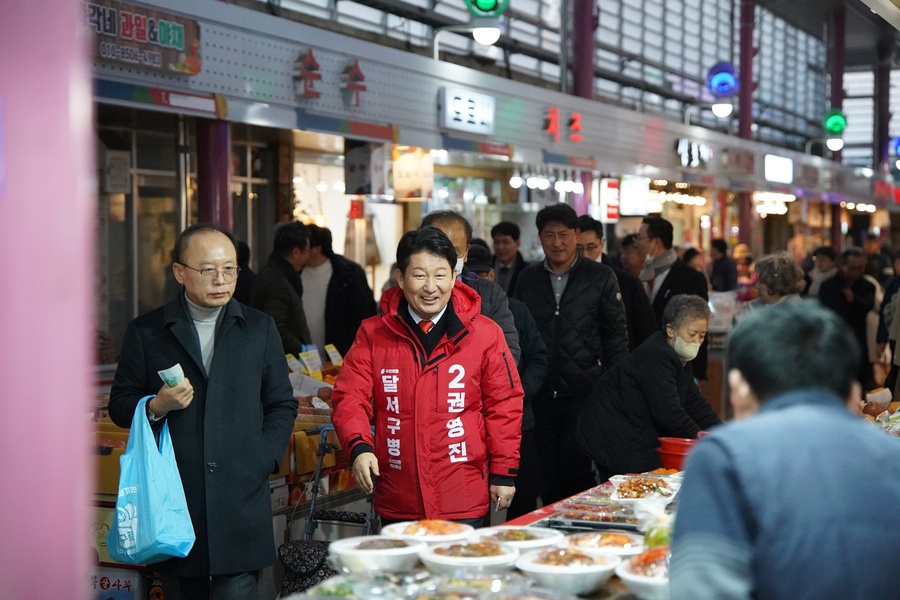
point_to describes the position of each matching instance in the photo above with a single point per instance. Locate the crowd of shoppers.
(482, 380)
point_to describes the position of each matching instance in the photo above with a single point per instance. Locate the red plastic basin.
(672, 459)
(673, 444)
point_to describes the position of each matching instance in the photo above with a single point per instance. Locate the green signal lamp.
(834, 122)
(486, 8)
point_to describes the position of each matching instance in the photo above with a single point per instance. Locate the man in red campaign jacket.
(445, 397)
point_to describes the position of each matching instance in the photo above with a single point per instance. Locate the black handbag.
(305, 564)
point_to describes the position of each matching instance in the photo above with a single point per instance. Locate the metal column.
(214, 172)
(745, 111)
(584, 23)
(836, 58)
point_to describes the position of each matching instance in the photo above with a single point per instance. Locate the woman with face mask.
(650, 394)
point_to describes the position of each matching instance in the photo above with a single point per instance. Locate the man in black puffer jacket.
(578, 309)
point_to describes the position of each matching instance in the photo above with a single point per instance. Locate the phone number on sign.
(130, 54)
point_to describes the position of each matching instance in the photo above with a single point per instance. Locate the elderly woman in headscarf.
(649, 394)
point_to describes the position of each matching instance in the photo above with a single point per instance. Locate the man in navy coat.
(230, 418)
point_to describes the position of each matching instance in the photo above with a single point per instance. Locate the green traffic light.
(835, 122)
(486, 8)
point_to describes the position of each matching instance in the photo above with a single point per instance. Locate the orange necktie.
(425, 326)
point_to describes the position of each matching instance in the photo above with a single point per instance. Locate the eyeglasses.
(229, 274)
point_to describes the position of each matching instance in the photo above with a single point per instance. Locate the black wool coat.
(229, 439)
(648, 395)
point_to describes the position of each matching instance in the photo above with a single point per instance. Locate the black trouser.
(565, 470)
(528, 481)
(239, 586)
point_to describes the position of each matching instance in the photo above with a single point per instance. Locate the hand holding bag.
(152, 522)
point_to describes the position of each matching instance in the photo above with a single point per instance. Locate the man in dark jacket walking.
(638, 312)
(230, 417)
(666, 276)
(278, 290)
(336, 295)
(578, 309)
(508, 261)
(494, 303)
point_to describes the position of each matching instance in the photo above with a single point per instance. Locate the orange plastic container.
(673, 444)
(672, 459)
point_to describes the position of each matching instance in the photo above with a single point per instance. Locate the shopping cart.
(305, 561)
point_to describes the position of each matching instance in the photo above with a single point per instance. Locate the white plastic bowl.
(442, 564)
(399, 530)
(591, 542)
(356, 560)
(576, 579)
(543, 536)
(645, 588)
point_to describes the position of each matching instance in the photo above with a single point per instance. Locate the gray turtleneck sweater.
(206, 321)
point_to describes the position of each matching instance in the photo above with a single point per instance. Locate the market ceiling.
(868, 24)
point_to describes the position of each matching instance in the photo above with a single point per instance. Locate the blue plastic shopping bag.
(152, 522)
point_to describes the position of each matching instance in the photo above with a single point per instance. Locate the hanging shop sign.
(634, 194)
(553, 125)
(581, 162)
(806, 176)
(467, 111)
(737, 161)
(695, 155)
(609, 200)
(142, 37)
(779, 169)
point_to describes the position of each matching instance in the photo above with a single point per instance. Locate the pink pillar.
(214, 172)
(47, 218)
(584, 23)
(745, 111)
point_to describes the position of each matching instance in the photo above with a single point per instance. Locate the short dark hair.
(506, 228)
(243, 252)
(659, 228)
(589, 223)
(793, 346)
(321, 237)
(827, 252)
(852, 252)
(447, 216)
(289, 236)
(629, 240)
(563, 214)
(181, 242)
(425, 239)
(689, 255)
(720, 245)
(685, 307)
(480, 242)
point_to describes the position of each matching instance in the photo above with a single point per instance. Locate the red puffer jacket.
(441, 422)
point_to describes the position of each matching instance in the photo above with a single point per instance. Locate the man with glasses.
(665, 276)
(578, 309)
(278, 289)
(230, 416)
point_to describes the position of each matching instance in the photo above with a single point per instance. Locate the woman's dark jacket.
(649, 394)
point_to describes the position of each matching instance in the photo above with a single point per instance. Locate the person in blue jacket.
(795, 498)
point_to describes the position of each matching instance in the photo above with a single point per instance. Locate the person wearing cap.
(533, 367)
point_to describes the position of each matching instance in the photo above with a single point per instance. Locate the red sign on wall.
(553, 125)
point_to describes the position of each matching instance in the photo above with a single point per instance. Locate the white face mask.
(686, 350)
(459, 265)
(648, 260)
